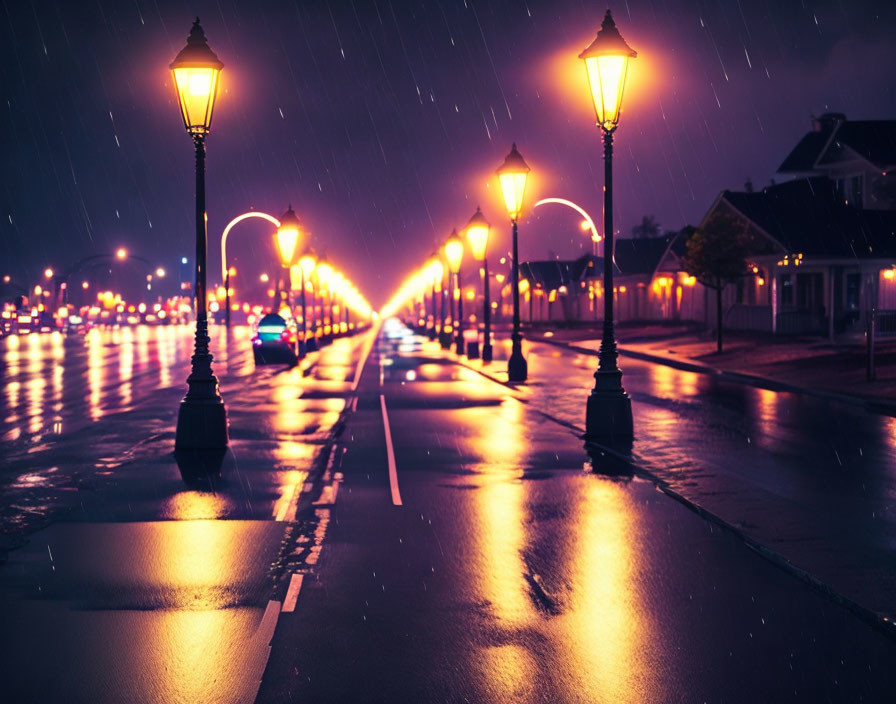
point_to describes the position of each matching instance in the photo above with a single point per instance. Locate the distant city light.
(85, 285)
(160, 272)
(121, 253)
(48, 273)
(183, 260)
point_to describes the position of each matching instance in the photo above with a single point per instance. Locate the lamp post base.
(445, 340)
(459, 346)
(473, 349)
(487, 352)
(608, 414)
(517, 367)
(201, 424)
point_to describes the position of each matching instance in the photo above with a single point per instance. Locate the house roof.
(641, 255)
(633, 257)
(874, 140)
(808, 216)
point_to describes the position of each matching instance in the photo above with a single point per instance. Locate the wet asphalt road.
(483, 562)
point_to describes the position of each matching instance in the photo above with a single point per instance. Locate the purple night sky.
(382, 122)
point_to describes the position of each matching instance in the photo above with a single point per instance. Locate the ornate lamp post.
(477, 236)
(454, 254)
(287, 238)
(202, 418)
(430, 279)
(436, 270)
(325, 282)
(307, 264)
(609, 410)
(512, 175)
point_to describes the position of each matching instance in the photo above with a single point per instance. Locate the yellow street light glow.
(231, 271)
(48, 273)
(454, 252)
(307, 264)
(288, 235)
(435, 269)
(85, 285)
(160, 272)
(196, 70)
(121, 253)
(606, 61)
(264, 278)
(324, 274)
(477, 234)
(512, 175)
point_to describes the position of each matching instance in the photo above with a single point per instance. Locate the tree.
(716, 255)
(649, 227)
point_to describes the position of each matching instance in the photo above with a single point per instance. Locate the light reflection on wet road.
(813, 479)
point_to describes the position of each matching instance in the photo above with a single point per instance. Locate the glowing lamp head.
(477, 234)
(196, 70)
(121, 253)
(160, 272)
(324, 273)
(606, 61)
(454, 252)
(433, 271)
(512, 175)
(307, 263)
(287, 238)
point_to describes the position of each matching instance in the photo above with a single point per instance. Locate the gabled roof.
(550, 275)
(641, 255)
(807, 216)
(807, 151)
(873, 140)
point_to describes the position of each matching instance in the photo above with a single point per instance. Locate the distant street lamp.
(477, 236)
(454, 254)
(289, 233)
(609, 410)
(512, 175)
(202, 418)
(307, 264)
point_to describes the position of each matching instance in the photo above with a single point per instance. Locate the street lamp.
(477, 236)
(609, 410)
(287, 237)
(454, 254)
(202, 418)
(306, 264)
(512, 175)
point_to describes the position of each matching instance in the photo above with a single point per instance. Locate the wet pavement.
(138, 582)
(417, 532)
(483, 560)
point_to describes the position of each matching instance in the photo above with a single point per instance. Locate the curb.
(877, 406)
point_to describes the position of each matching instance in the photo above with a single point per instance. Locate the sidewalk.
(804, 364)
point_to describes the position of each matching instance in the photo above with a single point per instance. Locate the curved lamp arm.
(239, 218)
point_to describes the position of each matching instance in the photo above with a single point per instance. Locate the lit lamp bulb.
(512, 175)
(606, 61)
(287, 237)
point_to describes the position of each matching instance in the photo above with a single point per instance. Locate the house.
(649, 284)
(825, 242)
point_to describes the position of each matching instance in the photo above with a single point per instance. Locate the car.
(276, 341)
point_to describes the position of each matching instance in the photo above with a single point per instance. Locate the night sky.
(382, 122)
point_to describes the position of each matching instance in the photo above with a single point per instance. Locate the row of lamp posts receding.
(202, 421)
(608, 409)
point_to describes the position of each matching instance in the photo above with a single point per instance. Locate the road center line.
(292, 594)
(390, 452)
